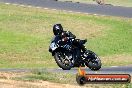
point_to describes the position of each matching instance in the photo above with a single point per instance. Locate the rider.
(58, 30)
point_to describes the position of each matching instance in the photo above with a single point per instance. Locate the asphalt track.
(77, 7)
(103, 70)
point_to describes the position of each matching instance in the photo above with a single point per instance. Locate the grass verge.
(48, 76)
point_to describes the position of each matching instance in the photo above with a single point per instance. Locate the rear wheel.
(94, 62)
(63, 61)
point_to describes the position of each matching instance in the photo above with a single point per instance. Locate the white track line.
(55, 10)
(70, 11)
(29, 6)
(46, 8)
(7, 3)
(59, 68)
(78, 12)
(15, 4)
(114, 66)
(38, 7)
(22, 5)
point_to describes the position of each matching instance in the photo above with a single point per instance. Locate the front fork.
(86, 55)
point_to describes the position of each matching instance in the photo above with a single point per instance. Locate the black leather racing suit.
(76, 42)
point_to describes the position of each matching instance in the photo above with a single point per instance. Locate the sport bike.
(68, 55)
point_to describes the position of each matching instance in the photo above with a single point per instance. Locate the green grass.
(126, 3)
(117, 41)
(25, 35)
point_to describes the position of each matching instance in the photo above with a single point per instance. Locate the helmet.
(57, 29)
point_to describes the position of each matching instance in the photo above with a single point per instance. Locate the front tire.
(58, 59)
(94, 63)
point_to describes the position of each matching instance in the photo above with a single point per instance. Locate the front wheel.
(62, 61)
(94, 62)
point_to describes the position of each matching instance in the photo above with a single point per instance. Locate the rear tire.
(59, 63)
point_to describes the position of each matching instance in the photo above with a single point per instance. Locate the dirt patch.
(9, 75)
(6, 83)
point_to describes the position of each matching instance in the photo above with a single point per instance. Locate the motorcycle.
(66, 56)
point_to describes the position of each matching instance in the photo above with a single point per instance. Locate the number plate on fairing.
(53, 46)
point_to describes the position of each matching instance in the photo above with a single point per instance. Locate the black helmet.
(57, 29)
